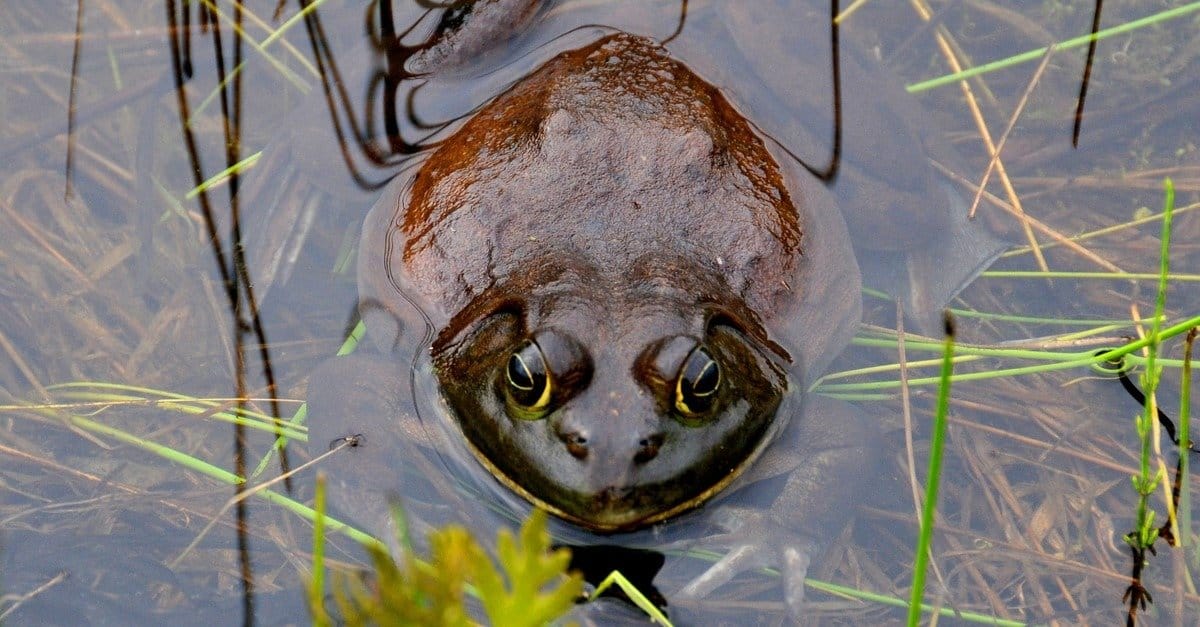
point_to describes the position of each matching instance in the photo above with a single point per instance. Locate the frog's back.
(608, 154)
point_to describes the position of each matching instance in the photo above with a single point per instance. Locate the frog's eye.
(528, 378)
(697, 383)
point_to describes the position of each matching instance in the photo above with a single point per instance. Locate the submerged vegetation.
(117, 355)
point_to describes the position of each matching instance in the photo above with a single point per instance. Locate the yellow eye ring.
(697, 383)
(528, 378)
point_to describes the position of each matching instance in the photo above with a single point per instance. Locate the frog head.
(613, 404)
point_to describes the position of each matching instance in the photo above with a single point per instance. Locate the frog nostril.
(648, 448)
(577, 444)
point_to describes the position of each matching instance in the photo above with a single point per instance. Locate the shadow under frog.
(607, 293)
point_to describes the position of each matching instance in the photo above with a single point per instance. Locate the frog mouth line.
(611, 518)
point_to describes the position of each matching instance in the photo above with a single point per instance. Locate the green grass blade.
(891, 601)
(301, 414)
(1115, 276)
(1034, 55)
(635, 595)
(1184, 507)
(1053, 360)
(932, 477)
(352, 340)
(316, 583)
(209, 470)
(223, 175)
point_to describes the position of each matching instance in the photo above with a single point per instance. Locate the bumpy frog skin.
(621, 292)
(616, 212)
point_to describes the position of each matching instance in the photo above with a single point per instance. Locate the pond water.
(120, 339)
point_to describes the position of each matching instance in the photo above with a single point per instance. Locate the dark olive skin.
(610, 293)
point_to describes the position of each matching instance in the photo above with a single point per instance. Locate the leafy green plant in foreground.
(1142, 539)
(526, 585)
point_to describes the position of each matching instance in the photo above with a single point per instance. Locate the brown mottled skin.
(614, 208)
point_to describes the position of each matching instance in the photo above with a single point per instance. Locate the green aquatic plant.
(1148, 478)
(526, 584)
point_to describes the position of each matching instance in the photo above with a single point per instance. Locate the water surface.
(110, 276)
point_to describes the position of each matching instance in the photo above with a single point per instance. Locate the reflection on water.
(117, 282)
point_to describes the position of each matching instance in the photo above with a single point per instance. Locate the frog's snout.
(639, 447)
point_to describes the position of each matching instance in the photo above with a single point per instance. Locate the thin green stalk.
(912, 365)
(220, 177)
(192, 407)
(987, 315)
(858, 397)
(166, 452)
(147, 391)
(932, 477)
(352, 340)
(281, 441)
(1116, 276)
(1058, 361)
(639, 599)
(891, 601)
(1145, 482)
(1184, 507)
(316, 583)
(995, 317)
(1034, 55)
(1153, 372)
(205, 468)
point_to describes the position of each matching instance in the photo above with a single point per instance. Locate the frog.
(607, 295)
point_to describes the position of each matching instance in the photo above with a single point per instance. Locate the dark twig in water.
(1136, 595)
(1087, 74)
(683, 8)
(229, 119)
(337, 100)
(69, 168)
(835, 159)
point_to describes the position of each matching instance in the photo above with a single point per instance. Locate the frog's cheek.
(819, 322)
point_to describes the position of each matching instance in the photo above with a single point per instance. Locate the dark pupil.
(526, 374)
(701, 376)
